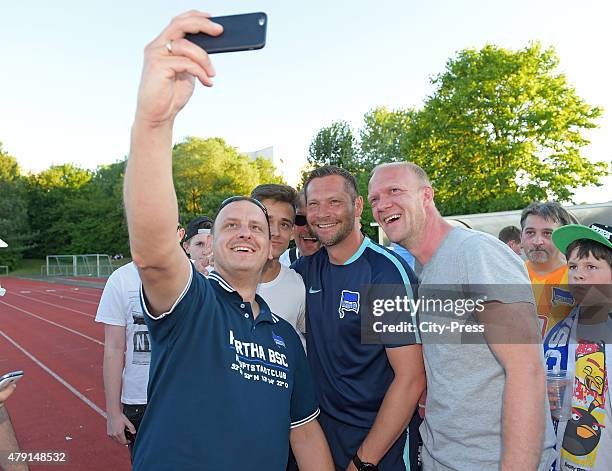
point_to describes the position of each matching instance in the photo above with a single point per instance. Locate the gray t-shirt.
(462, 428)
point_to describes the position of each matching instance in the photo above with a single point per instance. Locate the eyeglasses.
(300, 220)
(259, 204)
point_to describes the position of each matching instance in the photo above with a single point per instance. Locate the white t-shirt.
(120, 305)
(286, 297)
(285, 258)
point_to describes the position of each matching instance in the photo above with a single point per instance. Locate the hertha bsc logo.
(349, 301)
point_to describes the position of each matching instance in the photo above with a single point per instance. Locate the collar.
(265, 314)
(364, 243)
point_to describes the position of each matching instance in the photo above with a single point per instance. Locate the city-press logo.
(349, 302)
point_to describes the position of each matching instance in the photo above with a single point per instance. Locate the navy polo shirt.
(351, 378)
(224, 388)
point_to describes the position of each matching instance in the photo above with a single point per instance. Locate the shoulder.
(127, 272)
(491, 257)
(386, 265)
(291, 276)
(304, 263)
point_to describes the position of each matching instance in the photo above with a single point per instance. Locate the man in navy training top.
(367, 393)
(229, 385)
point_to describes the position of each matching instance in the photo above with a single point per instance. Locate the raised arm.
(171, 64)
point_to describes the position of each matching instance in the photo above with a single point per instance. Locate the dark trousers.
(344, 440)
(134, 413)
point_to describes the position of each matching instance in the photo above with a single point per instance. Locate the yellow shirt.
(553, 299)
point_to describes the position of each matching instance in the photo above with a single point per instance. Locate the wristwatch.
(361, 466)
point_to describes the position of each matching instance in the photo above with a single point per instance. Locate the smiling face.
(330, 210)
(281, 217)
(305, 239)
(240, 240)
(536, 239)
(397, 198)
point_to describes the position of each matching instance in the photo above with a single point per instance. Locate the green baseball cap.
(563, 236)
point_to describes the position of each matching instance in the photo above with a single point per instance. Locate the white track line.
(53, 323)
(68, 297)
(74, 291)
(61, 380)
(50, 304)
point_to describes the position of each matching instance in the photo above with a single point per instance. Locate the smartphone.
(10, 378)
(129, 436)
(240, 33)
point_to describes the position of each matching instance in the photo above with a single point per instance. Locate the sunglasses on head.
(300, 220)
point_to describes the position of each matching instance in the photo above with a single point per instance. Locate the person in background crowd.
(127, 353)
(511, 236)
(8, 440)
(281, 287)
(585, 440)
(306, 242)
(486, 401)
(198, 243)
(547, 270)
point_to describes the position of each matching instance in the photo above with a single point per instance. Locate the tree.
(14, 226)
(56, 208)
(206, 171)
(382, 134)
(335, 145)
(501, 129)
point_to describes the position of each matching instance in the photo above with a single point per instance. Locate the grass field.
(30, 266)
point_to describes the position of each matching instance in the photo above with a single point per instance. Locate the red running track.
(48, 331)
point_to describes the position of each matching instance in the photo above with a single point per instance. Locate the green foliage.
(382, 134)
(14, 227)
(502, 129)
(335, 145)
(206, 171)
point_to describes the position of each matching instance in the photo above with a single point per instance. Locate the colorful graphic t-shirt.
(582, 440)
(553, 302)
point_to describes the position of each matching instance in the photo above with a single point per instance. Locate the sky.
(70, 70)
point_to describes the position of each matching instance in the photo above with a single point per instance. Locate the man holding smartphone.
(229, 385)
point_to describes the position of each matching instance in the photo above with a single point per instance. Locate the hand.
(6, 392)
(167, 80)
(116, 425)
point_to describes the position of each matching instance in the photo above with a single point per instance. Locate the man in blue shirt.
(367, 392)
(229, 384)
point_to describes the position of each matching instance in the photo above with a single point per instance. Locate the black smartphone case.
(240, 33)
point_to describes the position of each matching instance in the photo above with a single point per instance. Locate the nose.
(274, 230)
(383, 203)
(244, 232)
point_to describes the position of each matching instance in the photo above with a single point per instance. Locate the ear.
(428, 193)
(359, 206)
